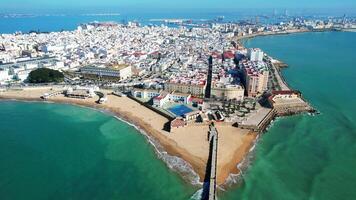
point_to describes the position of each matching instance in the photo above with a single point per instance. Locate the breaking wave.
(234, 179)
(197, 195)
(174, 163)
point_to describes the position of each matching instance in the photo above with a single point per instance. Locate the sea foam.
(174, 163)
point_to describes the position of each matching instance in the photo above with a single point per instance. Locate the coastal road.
(278, 75)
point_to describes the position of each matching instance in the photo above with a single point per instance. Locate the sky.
(28, 5)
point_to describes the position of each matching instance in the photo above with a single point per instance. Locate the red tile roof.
(229, 55)
(177, 123)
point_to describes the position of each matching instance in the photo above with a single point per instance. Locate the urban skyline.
(35, 5)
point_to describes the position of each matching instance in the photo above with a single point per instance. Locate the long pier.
(213, 139)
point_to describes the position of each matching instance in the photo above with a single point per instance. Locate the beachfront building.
(179, 97)
(144, 93)
(255, 77)
(81, 92)
(287, 102)
(191, 116)
(165, 97)
(78, 94)
(177, 123)
(161, 100)
(255, 54)
(119, 72)
(161, 97)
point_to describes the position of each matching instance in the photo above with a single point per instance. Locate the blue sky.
(178, 4)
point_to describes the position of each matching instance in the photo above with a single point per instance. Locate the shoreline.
(159, 147)
(189, 165)
(288, 32)
(250, 36)
(142, 128)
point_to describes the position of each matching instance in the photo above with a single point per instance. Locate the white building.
(4, 75)
(22, 75)
(255, 55)
(145, 93)
(120, 73)
(179, 97)
(160, 100)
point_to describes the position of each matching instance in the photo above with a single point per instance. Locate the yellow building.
(195, 90)
(228, 92)
(117, 72)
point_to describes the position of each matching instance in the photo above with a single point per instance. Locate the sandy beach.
(190, 142)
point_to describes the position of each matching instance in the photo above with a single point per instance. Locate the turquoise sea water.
(305, 157)
(57, 20)
(51, 151)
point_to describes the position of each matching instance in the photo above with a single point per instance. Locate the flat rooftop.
(118, 67)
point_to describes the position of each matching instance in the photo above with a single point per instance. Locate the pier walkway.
(213, 139)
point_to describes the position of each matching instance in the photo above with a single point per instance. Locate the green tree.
(45, 75)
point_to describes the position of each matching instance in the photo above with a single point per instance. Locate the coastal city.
(189, 74)
(186, 83)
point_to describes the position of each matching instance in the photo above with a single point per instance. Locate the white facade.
(145, 94)
(161, 100)
(255, 55)
(126, 72)
(179, 97)
(23, 75)
(4, 76)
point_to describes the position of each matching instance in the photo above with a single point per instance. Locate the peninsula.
(170, 82)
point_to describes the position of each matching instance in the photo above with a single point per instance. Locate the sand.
(190, 142)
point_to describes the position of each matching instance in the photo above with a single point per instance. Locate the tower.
(286, 12)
